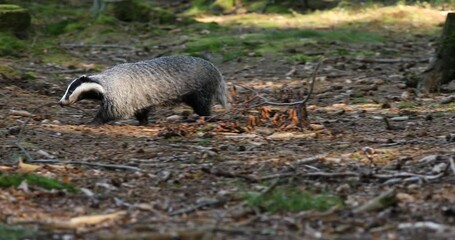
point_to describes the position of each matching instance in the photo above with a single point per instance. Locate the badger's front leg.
(101, 118)
(142, 116)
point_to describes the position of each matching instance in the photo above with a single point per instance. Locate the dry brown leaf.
(265, 112)
(78, 222)
(252, 121)
(26, 168)
(316, 127)
(293, 116)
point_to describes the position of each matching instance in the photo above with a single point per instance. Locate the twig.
(265, 101)
(388, 126)
(396, 60)
(380, 202)
(22, 130)
(407, 175)
(313, 174)
(193, 208)
(452, 164)
(426, 225)
(102, 165)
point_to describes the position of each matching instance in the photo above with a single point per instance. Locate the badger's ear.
(84, 78)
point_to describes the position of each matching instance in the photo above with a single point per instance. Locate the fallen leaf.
(82, 221)
(26, 168)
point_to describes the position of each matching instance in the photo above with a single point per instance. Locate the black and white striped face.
(82, 88)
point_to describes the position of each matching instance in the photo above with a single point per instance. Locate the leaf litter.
(189, 178)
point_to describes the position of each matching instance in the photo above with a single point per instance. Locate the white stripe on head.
(67, 89)
(84, 87)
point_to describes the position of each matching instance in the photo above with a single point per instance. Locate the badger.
(134, 89)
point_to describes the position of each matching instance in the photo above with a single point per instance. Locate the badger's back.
(160, 81)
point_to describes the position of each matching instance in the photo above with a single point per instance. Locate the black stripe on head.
(76, 83)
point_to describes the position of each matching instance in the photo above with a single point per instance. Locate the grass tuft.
(15, 232)
(10, 45)
(14, 180)
(291, 199)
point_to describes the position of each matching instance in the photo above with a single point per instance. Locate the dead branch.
(265, 101)
(313, 174)
(452, 164)
(380, 202)
(300, 106)
(407, 175)
(22, 129)
(101, 165)
(426, 225)
(214, 202)
(394, 60)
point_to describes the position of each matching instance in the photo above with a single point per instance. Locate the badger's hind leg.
(142, 116)
(199, 103)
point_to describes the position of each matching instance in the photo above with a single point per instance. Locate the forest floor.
(252, 173)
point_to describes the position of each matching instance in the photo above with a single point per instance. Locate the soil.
(189, 175)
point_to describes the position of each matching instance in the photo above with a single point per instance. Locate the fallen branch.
(312, 174)
(426, 225)
(214, 202)
(101, 165)
(300, 106)
(22, 129)
(452, 164)
(380, 202)
(394, 60)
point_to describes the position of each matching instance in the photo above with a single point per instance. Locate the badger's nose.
(61, 103)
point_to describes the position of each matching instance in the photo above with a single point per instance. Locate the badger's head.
(82, 88)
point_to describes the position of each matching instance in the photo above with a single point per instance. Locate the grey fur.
(133, 89)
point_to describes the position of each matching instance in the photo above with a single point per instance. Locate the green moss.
(8, 72)
(10, 45)
(64, 26)
(408, 105)
(269, 42)
(291, 199)
(302, 58)
(220, 6)
(140, 11)
(15, 232)
(14, 180)
(14, 18)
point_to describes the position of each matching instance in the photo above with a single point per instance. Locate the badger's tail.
(221, 94)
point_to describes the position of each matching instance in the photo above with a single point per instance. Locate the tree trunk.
(442, 66)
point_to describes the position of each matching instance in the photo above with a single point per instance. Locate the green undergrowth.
(10, 45)
(231, 46)
(14, 180)
(292, 199)
(8, 232)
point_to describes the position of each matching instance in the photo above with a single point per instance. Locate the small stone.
(174, 118)
(343, 188)
(448, 99)
(450, 137)
(404, 197)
